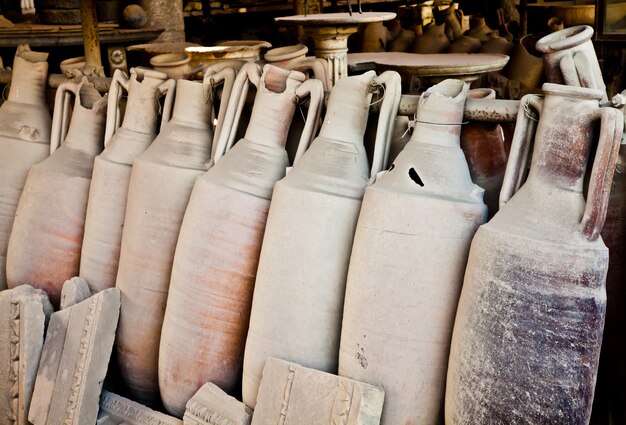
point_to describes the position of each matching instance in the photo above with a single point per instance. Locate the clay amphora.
(497, 45)
(408, 259)
(220, 239)
(44, 249)
(24, 137)
(570, 58)
(529, 325)
(449, 17)
(433, 40)
(479, 29)
(160, 185)
(300, 284)
(484, 149)
(109, 186)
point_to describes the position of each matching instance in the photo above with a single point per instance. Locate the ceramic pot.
(158, 192)
(526, 66)
(174, 65)
(220, 239)
(449, 17)
(570, 58)
(465, 44)
(529, 324)
(433, 40)
(396, 249)
(44, 249)
(24, 137)
(479, 29)
(483, 146)
(297, 305)
(111, 174)
(402, 43)
(375, 37)
(497, 45)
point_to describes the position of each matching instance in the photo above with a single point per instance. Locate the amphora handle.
(520, 147)
(577, 71)
(119, 80)
(391, 82)
(212, 78)
(611, 128)
(61, 117)
(315, 89)
(250, 73)
(167, 88)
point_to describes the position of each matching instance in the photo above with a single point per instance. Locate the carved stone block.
(117, 410)
(212, 406)
(74, 361)
(74, 291)
(24, 312)
(291, 394)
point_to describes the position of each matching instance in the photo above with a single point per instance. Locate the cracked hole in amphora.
(415, 177)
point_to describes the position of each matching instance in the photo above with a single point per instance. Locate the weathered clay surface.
(406, 266)
(297, 305)
(160, 186)
(25, 312)
(74, 361)
(45, 245)
(212, 406)
(218, 248)
(117, 410)
(75, 290)
(528, 330)
(24, 137)
(106, 207)
(294, 395)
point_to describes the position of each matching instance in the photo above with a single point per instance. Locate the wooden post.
(91, 38)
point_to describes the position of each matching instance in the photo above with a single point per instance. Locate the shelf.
(70, 35)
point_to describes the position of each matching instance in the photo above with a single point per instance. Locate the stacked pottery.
(44, 249)
(408, 259)
(160, 185)
(111, 173)
(483, 146)
(526, 65)
(297, 304)
(24, 137)
(528, 330)
(220, 240)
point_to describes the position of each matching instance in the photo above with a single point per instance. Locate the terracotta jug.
(375, 37)
(570, 58)
(408, 258)
(24, 137)
(220, 240)
(479, 29)
(433, 40)
(160, 185)
(529, 324)
(484, 149)
(298, 294)
(44, 249)
(111, 173)
(452, 22)
(496, 44)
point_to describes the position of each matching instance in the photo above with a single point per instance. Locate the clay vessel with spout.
(529, 325)
(408, 258)
(160, 185)
(220, 239)
(106, 208)
(298, 294)
(24, 137)
(44, 249)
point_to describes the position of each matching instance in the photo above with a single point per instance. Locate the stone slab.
(117, 410)
(24, 312)
(291, 394)
(212, 406)
(74, 290)
(74, 361)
